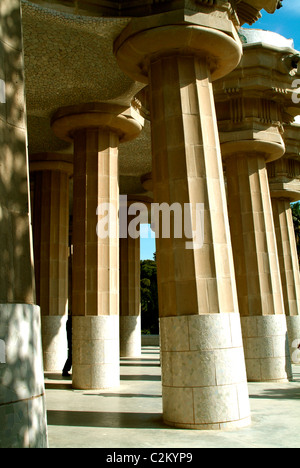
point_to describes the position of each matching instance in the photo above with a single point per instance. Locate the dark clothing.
(68, 364)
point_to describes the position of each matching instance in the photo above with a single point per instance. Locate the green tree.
(149, 297)
(296, 220)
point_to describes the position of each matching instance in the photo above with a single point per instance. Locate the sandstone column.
(50, 175)
(285, 189)
(96, 130)
(257, 268)
(130, 298)
(22, 406)
(203, 369)
(130, 272)
(250, 109)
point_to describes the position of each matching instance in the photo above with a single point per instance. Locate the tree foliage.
(149, 297)
(296, 220)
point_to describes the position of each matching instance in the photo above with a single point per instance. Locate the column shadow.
(106, 419)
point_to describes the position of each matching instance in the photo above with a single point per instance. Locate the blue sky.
(286, 22)
(147, 242)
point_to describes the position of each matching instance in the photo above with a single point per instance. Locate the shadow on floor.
(138, 364)
(58, 386)
(278, 394)
(152, 353)
(149, 378)
(124, 395)
(59, 382)
(55, 376)
(136, 360)
(105, 419)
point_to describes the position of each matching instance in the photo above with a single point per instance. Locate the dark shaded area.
(16, 269)
(106, 419)
(125, 395)
(147, 378)
(138, 365)
(296, 220)
(149, 297)
(117, 8)
(279, 394)
(21, 389)
(136, 8)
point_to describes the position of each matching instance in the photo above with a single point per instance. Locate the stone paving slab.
(130, 416)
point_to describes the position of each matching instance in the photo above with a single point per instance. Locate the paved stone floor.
(130, 416)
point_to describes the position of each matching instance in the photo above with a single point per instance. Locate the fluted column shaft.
(190, 172)
(257, 268)
(289, 269)
(95, 262)
(51, 240)
(130, 297)
(250, 214)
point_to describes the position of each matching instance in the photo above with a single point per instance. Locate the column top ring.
(135, 50)
(51, 162)
(125, 121)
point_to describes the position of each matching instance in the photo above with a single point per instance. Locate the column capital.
(126, 122)
(284, 175)
(292, 141)
(289, 191)
(51, 162)
(255, 101)
(210, 34)
(253, 142)
(268, 68)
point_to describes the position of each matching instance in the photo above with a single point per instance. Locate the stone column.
(257, 268)
(250, 109)
(50, 175)
(96, 130)
(22, 405)
(130, 272)
(284, 181)
(203, 371)
(130, 297)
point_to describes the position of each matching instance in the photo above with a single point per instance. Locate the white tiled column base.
(130, 336)
(96, 352)
(55, 343)
(22, 406)
(203, 372)
(266, 348)
(293, 327)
